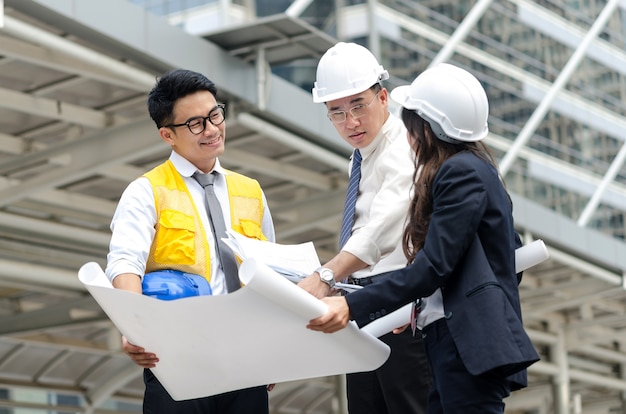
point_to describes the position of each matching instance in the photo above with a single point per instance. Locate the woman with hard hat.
(460, 243)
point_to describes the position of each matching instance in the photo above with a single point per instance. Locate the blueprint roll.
(525, 257)
(386, 324)
(530, 255)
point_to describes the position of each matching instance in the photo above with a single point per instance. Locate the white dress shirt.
(385, 192)
(382, 208)
(134, 221)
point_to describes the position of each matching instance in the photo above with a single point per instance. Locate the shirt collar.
(366, 151)
(186, 168)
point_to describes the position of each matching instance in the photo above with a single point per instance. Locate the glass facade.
(519, 49)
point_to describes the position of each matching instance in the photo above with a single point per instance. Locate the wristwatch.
(327, 276)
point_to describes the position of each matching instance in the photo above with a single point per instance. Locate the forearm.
(128, 281)
(344, 264)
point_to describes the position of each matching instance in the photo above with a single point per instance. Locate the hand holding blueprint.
(208, 345)
(525, 257)
(297, 261)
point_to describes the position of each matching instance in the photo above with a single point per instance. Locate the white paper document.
(208, 345)
(294, 261)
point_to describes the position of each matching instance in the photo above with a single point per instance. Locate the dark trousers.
(456, 391)
(399, 386)
(156, 400)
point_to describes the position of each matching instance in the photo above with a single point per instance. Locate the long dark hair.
(431, 154)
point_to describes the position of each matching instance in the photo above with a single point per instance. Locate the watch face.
(327, 276)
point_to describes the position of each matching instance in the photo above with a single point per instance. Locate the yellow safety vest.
(180, 241)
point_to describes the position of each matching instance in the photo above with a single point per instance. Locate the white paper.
(388, 323)
(525, 257)
(295, 261)
(530, 255)
(208, 345)
(347, 287)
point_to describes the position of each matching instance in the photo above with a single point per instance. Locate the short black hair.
(172, 86)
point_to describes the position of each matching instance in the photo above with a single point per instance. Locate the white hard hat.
(450, 99)
(344, 70)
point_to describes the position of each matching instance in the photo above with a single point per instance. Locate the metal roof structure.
(74, 131)
(280, 38)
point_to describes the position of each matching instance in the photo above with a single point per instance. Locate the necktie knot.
(204, 179)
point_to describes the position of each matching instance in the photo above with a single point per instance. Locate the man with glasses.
(349, 83)
(161, 222)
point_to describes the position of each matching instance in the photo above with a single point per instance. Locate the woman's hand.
(335, 319)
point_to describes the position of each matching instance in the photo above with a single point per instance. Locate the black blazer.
(469, 253)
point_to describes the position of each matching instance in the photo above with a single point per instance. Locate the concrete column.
(560, 381)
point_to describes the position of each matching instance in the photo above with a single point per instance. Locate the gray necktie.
(216, 218)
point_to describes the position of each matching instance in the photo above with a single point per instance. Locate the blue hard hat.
(174, 284)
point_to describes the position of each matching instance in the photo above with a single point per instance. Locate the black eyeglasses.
(197, 124)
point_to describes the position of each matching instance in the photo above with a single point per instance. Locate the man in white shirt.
(161, 222)
(348, 82)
